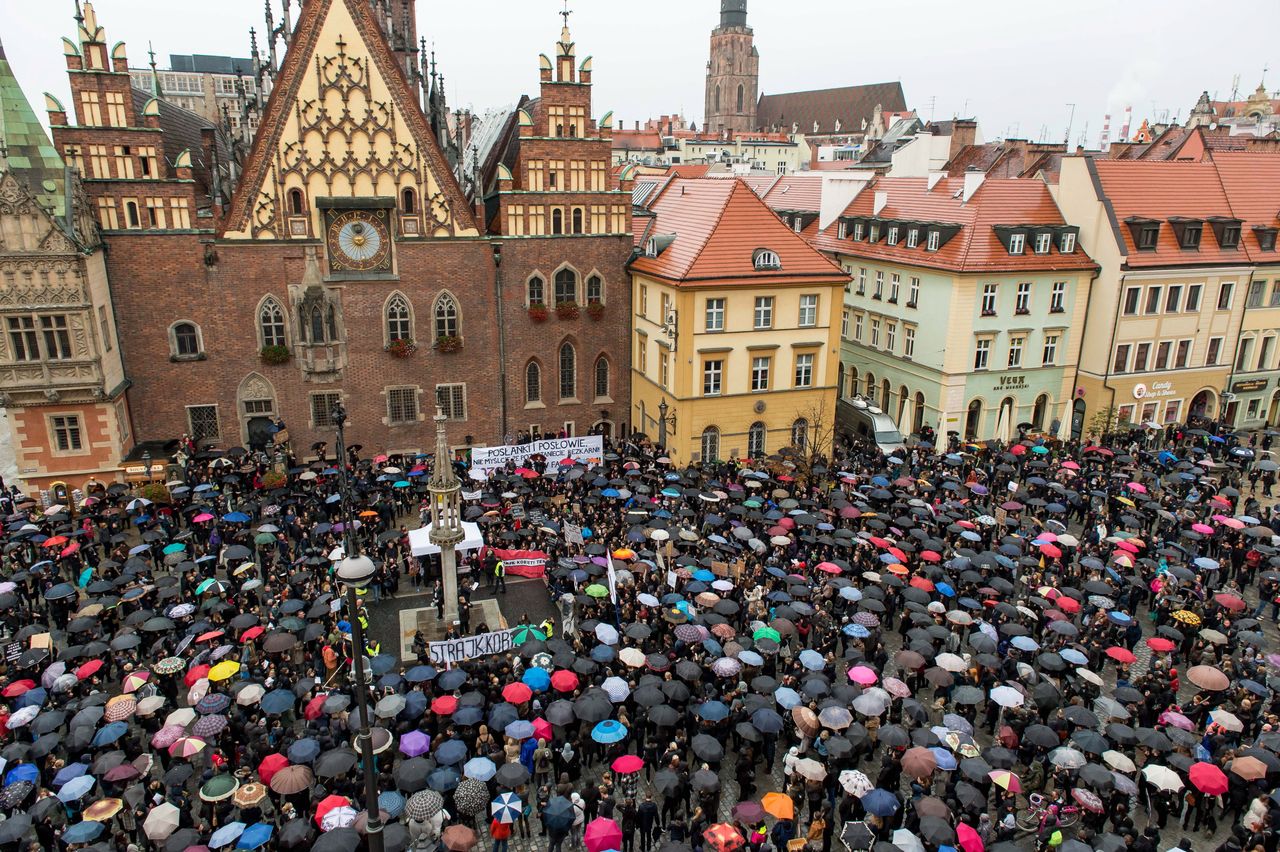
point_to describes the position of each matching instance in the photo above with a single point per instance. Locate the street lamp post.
(446, 519)
(146, 462)
(663, 420)
(354, 572)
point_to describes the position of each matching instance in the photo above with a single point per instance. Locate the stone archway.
(256, 408)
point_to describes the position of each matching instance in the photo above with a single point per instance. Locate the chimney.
(637, 127)
(882, 198)
(963, 132)
(1124, 130)
(1104, 141)
(972, 180)
(934, 177)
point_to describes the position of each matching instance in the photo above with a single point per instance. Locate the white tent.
(420, 539)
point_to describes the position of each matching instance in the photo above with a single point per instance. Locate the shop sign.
(1141, 391)
(1249, 385)
(1012, 383)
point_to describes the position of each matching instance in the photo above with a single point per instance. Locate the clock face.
(359, 241)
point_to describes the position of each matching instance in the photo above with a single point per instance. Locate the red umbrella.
(922, 583)
(206, 637)
(252, 633)
(564, 681)
(1121, 655)
(89, 669)
(517, 693)
(270, 765)
(1208, 778)
(1231, 602)
(444, 705)
(328, 803)
(723, 837)
(1051, 550)
(18, 687)
(1160, 644)
(195, 674)
(602, 834)
(314, 710)
(627, 764)
(1068, 604)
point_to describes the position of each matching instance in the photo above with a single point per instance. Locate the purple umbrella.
(208, 727)
(415, 743)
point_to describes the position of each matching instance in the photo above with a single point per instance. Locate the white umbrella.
(161, 822)
(633, 657)
(1007, 696)
(1067, 758)
(181, 717)
(659, 535)
(1118, 760)
(951, 662)
(1162, 777)
(1227, 720)
(855, 783)
(1089, 675)
(616, 688)
(811, 769)
(340, 817)
(906, 841)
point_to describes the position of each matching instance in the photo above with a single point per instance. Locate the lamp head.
(356, 570)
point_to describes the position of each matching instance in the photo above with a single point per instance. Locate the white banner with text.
(588, 449)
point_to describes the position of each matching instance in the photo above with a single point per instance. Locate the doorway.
(1077, 419)
(972, 420)
(1203, 404)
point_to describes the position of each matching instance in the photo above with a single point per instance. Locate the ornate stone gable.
(26, 226)
(341, 123)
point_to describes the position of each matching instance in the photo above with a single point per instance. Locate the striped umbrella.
(186, 747)
(120, 707)
(506, 808)
(134, 681)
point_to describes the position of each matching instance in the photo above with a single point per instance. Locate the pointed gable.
(342, 123)
(26, 148)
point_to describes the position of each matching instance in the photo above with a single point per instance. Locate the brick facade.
(733, 73)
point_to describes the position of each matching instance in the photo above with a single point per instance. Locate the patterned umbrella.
(250, 794)
(186, 747)
(723, 837)
(458, 838)
(424, 804)
(103, 810)
(866, 619)
(120, 707)
(506, 808)
(214, 702)
(135, 680)
(167, 736)
(855, 783)
(471, 796)
(726, 667)
(208, 727)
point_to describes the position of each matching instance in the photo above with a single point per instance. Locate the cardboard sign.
(456, 651)
(573, 534)
(720, 569)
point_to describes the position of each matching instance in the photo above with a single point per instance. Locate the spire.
(79, 16)
(733, 13)
(155, 75)
(564, 30)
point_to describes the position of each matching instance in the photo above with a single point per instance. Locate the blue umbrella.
(711, 711)
(536, 679)
(277, 701)
(507, 808)
(451, 680)
(235, 517)
(609, 731)
(31, 698)
(66, 773)
(502, 715)
(479, 768)
(75, 788)
(856, 630)
(415, 704)
(443, 779)
(519, 729)
(945, 590)
(304, 750)
(881, 802)
(468, 715)
(704, 575)
(812, 660)
(946, 760)
(1071, 655)
(22, 772)
(787, 697)
(750, 658)
(603, 654)
(420, 674)
(255, 835)
(391, 802)
(767, 721)
(451, 753)
(1024, 643)
(108, 734)
(83, 832)
(226, 835)
(558, 813)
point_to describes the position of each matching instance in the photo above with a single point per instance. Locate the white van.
(874, 426)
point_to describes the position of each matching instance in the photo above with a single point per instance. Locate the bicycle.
(1043, 812)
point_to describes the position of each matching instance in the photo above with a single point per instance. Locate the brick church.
(336, 256)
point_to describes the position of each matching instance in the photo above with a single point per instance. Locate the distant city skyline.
(1018, 74)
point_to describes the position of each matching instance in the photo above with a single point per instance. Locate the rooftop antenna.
(155, 76)
(1070, 121)
(566, 13)
(1235, 85)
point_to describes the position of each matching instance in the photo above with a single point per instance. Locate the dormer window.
(857, 231)
(765, 259)
(1188, 232)
(841, 229)
(1044, 241)
(1017, 243)
(931, 243)
(1266, 237)
(913, 238)
(797, 223)
(1226, 231)
(651, 247)
(1145, 232)
(893, 235)
(1067, 243)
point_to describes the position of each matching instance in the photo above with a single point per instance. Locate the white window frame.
(808, 310)
(805, 364)
(1017, 243)
(762, 315)
(714, 309)
(982, 353)
(713, 377)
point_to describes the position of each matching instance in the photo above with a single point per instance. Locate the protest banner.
(523, 563)
(573, 534)
(588, 449)
(455, 651)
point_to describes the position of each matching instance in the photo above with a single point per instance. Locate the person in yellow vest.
(500, 577)
(372, 648)
(548, 627)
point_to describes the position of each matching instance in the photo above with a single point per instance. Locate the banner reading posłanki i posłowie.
(455, 651)
(588, 449)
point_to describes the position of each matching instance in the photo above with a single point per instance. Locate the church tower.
(733, 72)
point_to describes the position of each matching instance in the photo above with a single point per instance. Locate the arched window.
(446, 315)
(800, 433)
(568, 371)
(903, 395)
(576, 220)
(533, 382)
(333, 324)
(973, 419)
(884, 395)
(314, 322)
(185, 339)
(710, 444)
(131, 211)
(408, 201)
(595, 290)
(755, 440)
(870, 392)
(919, 414)
(536, 290)
(740, 94)
(399, 319)
(602, 377)
(566, 286)
(557, 220)
(271, 323)
(853, 381)
(297, 203)
(717, 109)
(1038, 412)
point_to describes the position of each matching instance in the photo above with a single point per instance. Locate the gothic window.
(717, 109)
(446, 316)
(577, 220)
(399, 319)
(297, 204)
(602, 377)
(568, 371)
(184, 339)
(557, 220)
(271, 323)
(755, 440)
(315, 324)
(566, 286)
(740, 93)
(533, 383)
(710, 444)
(595, 290)
(408, 202)
(536, 289)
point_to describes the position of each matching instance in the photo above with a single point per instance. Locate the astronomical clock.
(358, 240)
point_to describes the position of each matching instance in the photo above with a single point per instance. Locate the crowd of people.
(995, 647)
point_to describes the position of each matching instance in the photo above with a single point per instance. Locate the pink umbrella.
(896, 687)
(602, 834)
(1202, 528)
(1178, 720)
(202, 517)
(167, 736)
(968, 838)
(542, 729)
(627, 764)
(863, 675)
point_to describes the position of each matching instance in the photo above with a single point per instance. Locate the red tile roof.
(688, 170)
(1159, 190)
(796, 193)
(717, 226)
(976, 247)
(1252, 184)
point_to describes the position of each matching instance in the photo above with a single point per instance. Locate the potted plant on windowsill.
(567, 310)
(401, 348)
(275, 354)
(448, 343)
(595, 310)
(537, 312)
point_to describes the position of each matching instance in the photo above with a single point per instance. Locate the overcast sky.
(1015, 66)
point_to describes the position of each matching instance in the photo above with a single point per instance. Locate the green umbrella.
(176, 547)
(753, 503)
(525, 632)
(208, 584)
(767, 633)
(219, 787)
(263, 538)
(597, 591)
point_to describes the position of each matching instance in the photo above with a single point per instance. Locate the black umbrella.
(708, 748)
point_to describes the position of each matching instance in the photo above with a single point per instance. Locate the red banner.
(523, 563)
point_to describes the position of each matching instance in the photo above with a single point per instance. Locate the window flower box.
(567, 310)
(538, 312)
(401, 348)
(273, 479)
(595, 310)
(275, 354)
(448, 343)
